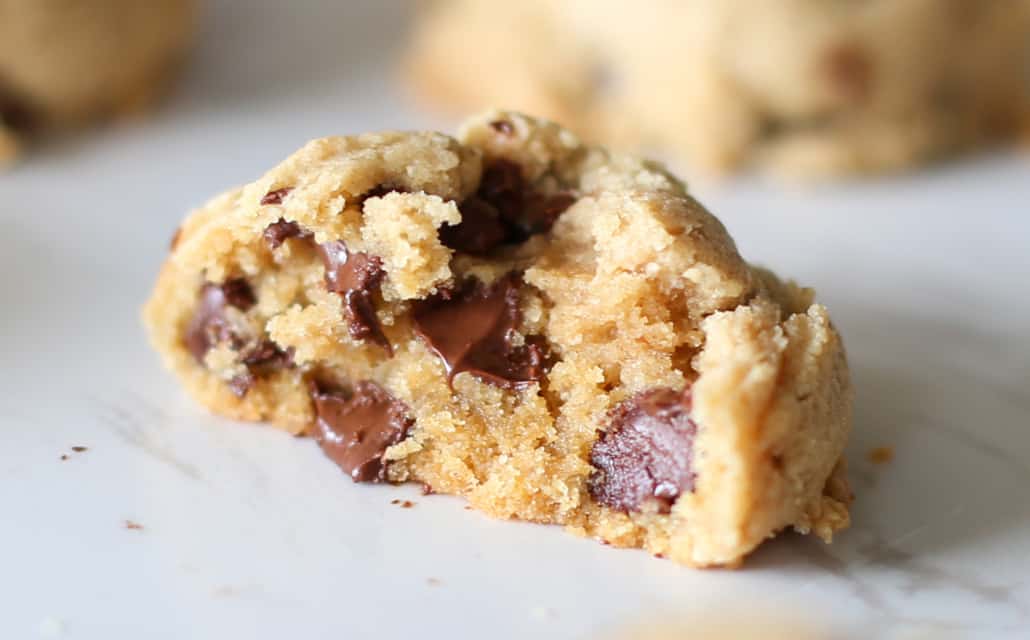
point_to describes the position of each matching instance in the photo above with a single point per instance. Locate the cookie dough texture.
(67, 62)
(801, 88)
(722, 392)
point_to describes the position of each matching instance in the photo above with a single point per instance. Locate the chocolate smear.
(646, 451)
(473, 329)
(356, 276)
(356, 431)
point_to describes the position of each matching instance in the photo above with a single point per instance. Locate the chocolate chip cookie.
(556, 332)
(797, 87)
(64, 63)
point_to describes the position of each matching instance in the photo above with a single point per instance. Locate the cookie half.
(557, 333)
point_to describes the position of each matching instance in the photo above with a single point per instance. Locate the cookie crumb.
(427, 490)
(80, 449)
(880, 455)
(133, 526)
(64, 456)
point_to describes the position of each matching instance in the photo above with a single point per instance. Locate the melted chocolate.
(276, 197)
(850, 71)
(209, 324)
(356, 431)
(355, 276)
(646, 452)
(282, 230)
(472, 329)
(503, 127)
(15, 113)
(504, 210)
(481, 228)
(261, 360)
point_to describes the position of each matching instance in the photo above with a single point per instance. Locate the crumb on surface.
(79, 449)
(133, 526)
(880, 455)
(64, 456)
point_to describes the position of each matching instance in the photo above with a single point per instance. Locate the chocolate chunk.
(239, 294)
(480, 230)
(355, 276)
(282, 230)
(241, 384)
(276, 197)
(540, 213)
(504, 210)
(209, 325)
(16, 114)
(261, 360)
(356, 431)
(472, 330)
(646, 452)
(267, 356)
(503, 186)
(850, 71)
(502, 127)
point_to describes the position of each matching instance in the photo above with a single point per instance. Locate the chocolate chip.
(267, 356)
(541, 212)
(261, 360)
(503, 186)
(481, 228)
(356, 276)
(16, 114)
(356, 431)
(850, 71)
(471, 329)
(241, 384)
(209, 324)
(503, 127)
(504, 210)
(282, 230)
(646, 451)
(276, 196)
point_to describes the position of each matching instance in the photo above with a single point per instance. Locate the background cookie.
(66, 62)
(798, 87)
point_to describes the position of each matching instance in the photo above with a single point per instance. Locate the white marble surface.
(250, 533)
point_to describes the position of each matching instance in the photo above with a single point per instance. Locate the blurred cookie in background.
(65, 63)
(802, 88)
